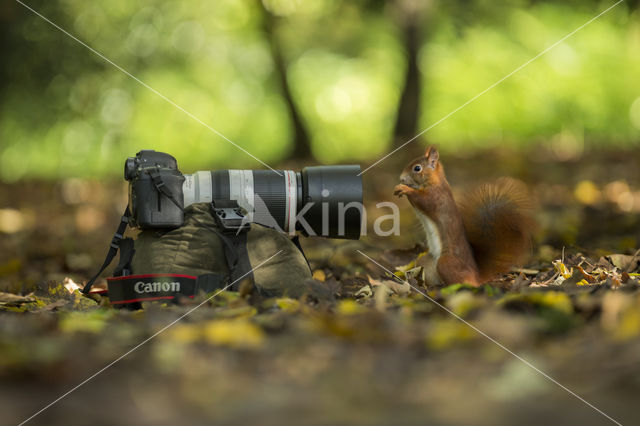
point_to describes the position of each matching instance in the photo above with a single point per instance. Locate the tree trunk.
(302, 143)
(407, 117)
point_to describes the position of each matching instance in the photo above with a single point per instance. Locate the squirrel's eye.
(417, 168)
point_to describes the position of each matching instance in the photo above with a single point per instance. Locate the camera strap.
(233, 233)
(148, 287)
(127, 250)
(161, 187)
(124, 221)
(237, 256)
(113, 248)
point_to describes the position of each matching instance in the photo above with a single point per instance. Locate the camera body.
(151, 174)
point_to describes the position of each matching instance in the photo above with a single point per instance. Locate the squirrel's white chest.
(434, 243)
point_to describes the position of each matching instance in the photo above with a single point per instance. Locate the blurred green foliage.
(66, 112)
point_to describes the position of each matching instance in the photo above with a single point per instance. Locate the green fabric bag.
(196, 249)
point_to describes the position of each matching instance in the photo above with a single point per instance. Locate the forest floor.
(557, 341)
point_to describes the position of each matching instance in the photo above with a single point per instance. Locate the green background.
(66, 112)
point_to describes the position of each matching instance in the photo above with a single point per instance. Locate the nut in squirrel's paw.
(401, 190)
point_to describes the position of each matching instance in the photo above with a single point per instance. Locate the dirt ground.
(555, 342)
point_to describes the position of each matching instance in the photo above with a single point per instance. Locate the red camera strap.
(148, 287)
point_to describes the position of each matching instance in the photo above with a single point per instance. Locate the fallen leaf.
(413, 273)
(624, 262)
(587, 277)
(463, 303)
(364, 291)
(562, 269)
(449, 332)
(319, 275)
(525, 271)
(70, 285)
(85, 322)
(235, 333)
(15, 299)
(403, 270)
(397, 288)
(454, 288)
(556, 300)
(613, 306)
(382, 293)
(287, 304)
(350, 307)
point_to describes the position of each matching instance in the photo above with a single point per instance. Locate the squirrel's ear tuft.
(432, 156)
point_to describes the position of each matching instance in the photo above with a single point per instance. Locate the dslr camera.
(318, 201)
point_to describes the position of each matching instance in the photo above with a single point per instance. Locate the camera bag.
(201, 257)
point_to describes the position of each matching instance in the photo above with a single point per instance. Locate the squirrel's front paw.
(401, 190)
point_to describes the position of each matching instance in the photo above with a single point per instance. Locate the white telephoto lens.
(197, 188)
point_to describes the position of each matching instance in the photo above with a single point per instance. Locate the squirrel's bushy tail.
(499, 223)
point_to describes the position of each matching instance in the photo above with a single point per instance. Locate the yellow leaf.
(349, 307)
(586, 192)
(401, 271)
(90, 322)
(185, 333)
(406, 267)
(553, 299)
(287, 304)
(562, 269)
(411, 264)
(629, 325)
(319, 275)
(463, 302)
(237, 312)
(235, 333)
(557, 300)
(446, 333)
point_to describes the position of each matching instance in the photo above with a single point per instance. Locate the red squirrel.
(472, 243)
